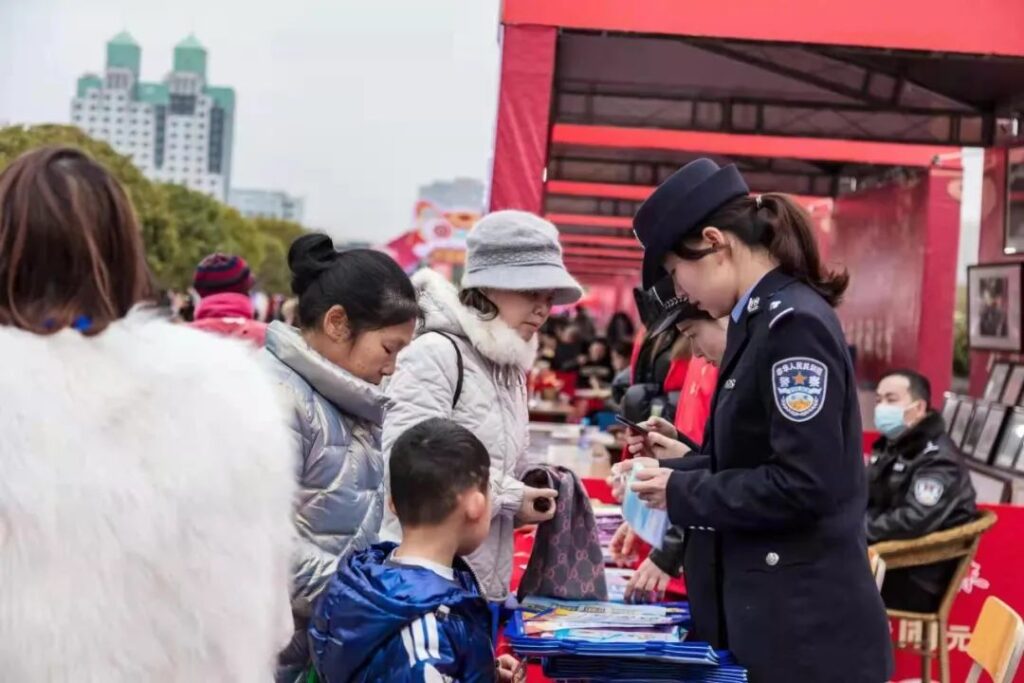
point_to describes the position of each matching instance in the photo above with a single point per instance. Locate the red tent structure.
(602, 100)
(865, 105)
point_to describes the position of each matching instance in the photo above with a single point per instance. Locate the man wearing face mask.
(918, 484)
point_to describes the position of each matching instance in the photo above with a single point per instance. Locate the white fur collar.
(492, 338)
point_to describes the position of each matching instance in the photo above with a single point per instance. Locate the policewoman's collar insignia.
(754, 304)
(799, 385)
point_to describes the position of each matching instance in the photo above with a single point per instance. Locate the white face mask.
(889, 419)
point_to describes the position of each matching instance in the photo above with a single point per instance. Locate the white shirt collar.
(439, 569)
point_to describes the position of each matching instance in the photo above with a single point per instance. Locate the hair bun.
(308, 257)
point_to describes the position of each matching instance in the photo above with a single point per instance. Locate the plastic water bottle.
(657, 407)
(584, 440)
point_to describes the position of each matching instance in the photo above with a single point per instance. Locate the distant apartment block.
(177, 131)
(268, 204)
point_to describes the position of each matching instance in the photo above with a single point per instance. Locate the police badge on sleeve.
(799, 386)
(928, 491)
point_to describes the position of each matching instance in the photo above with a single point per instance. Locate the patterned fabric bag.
(567, 561)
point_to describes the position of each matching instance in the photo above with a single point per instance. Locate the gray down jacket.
(493, 405)
(336, 424)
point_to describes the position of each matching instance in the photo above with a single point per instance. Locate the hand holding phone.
(632, 425)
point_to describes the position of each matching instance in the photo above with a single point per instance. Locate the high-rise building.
(178, 131)
(460, 193)
(267, 204)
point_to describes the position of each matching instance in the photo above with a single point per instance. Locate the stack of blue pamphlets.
(611, 641)
(602, 669)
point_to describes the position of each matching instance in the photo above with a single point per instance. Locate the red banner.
(524, 105)
(898, 242)
(995, 571)
(880, 239)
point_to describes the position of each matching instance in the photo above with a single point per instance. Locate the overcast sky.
(351, 104)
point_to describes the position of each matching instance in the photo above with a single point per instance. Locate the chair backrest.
(997, 642)
(940, 546)
(959, 543)
(877, 567)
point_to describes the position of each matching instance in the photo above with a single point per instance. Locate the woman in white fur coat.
(514, 274)
(146, 485)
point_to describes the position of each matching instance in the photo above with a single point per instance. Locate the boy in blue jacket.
(413, 612)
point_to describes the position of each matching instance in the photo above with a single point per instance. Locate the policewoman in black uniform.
(784, 485)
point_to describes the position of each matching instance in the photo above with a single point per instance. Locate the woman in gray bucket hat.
(469, 363)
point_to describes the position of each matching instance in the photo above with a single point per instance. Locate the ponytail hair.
(374, 291)
(781, 226)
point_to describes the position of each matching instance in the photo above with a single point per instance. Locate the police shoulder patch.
(928, 491)
(799, 386)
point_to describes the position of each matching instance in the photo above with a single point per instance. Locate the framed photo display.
(962, 420)
(1017, 493)
(1014, 386)
(1013, 239)
(949, 405)
(997, 381)
(974, 427)
(984, 449)
(1013, 435)
(990, 489)
(994, 307)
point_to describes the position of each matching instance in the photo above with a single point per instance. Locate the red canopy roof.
(806, 97)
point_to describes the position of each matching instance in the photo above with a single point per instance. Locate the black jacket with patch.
(918, 484)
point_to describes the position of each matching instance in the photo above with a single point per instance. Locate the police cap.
(678, 206)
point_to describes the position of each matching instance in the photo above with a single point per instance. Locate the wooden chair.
(959, 543)
(997, 642)
(877, 567)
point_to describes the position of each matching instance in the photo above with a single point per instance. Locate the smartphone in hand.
(632, 425)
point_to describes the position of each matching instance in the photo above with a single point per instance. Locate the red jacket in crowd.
(230, 314)
(695, 398)
(676, 376)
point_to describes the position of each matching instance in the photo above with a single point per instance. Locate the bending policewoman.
(783, 483)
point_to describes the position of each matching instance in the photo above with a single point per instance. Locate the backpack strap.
(459, 365)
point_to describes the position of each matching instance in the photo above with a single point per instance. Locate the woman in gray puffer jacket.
(357, 310)
(514, 274)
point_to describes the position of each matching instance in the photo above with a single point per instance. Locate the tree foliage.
(179, 226)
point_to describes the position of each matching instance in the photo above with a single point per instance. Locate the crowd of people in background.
(572, 345)
(265, 308)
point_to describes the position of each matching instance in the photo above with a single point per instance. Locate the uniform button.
(771, 559)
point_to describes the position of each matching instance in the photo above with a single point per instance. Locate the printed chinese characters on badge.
(799, 386)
